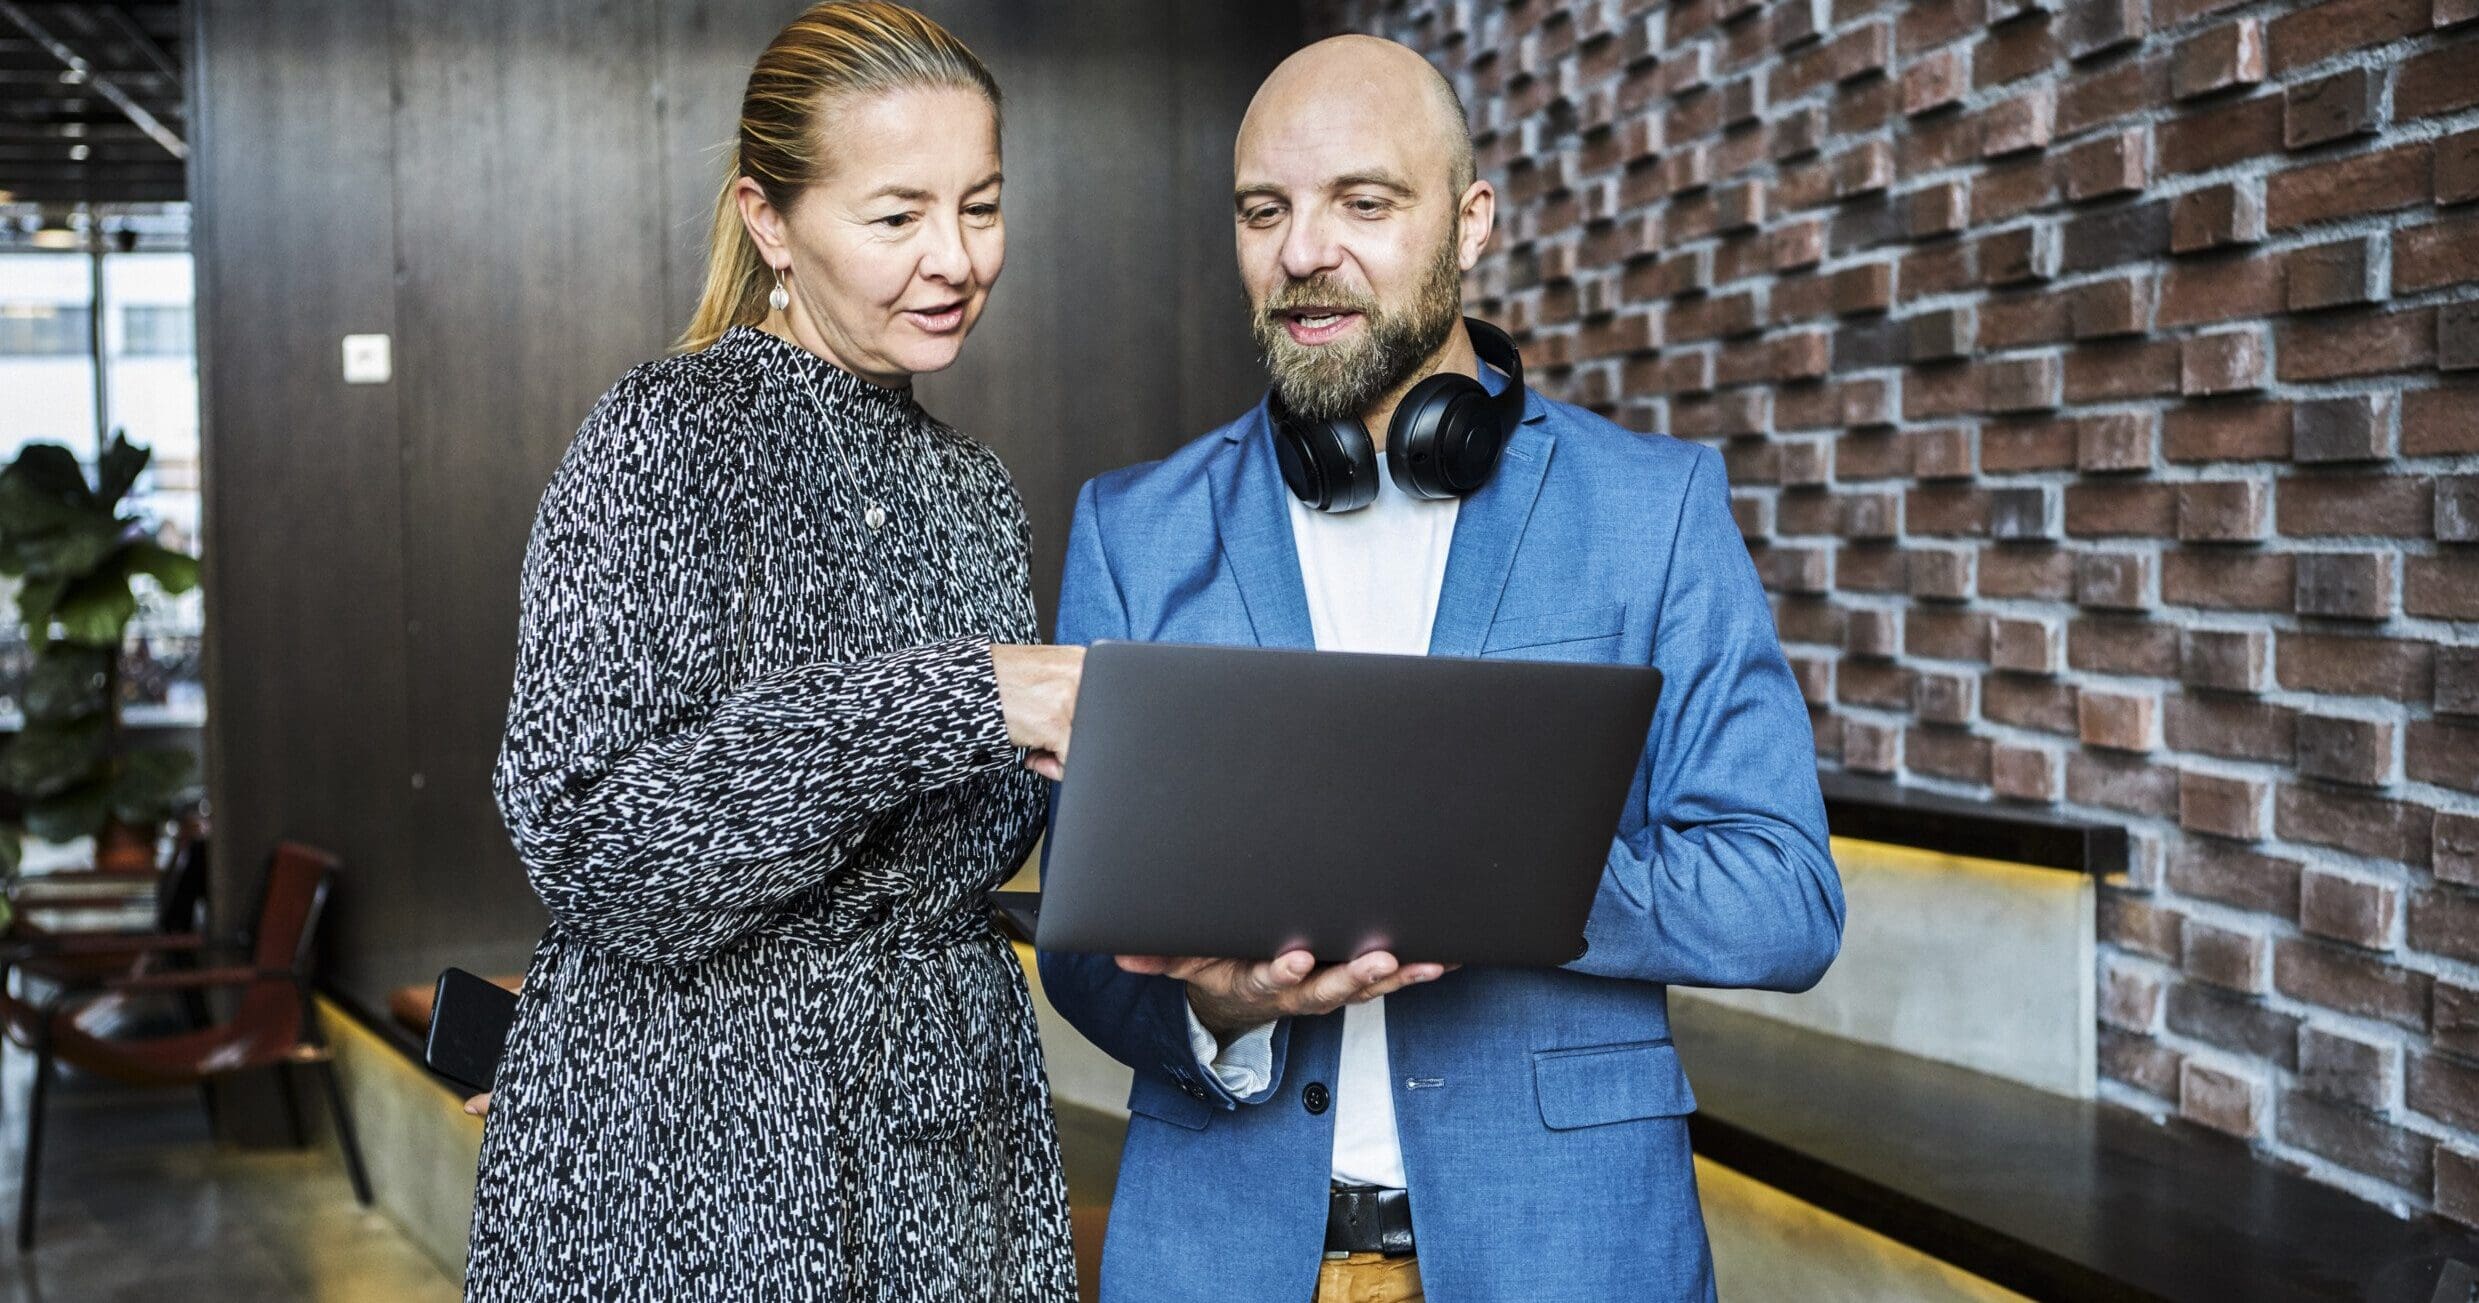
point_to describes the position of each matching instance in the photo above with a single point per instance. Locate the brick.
(2116, 164)
(2216, 216)
(2457, 681)
(2111, 307)
(1871, 515)
(1936, 80)
(2443, 752)
(1944, 452)
(1945, 698)
(2126, 783)
(2346, 585)
(2235, 728)
(2229, 581)
(2220, 136)
(2345, 750)
(2027, 645)
(2312, 33)
(2207, 432)
(1871, 632)
(2436, 255)
(2457, 337)
(2349, 1069)
(2351, 910)
(2348, 187)
(2224, 1099)
(2232, 1021)
(2113, 581)
(2113, 644)
(2457, 1169)
(2227, 56)
(2120, 721)
(2223, 511)
(2336, 346)
(2224, 362)
(2121, 509)
(2333, 506)
(2439, 80)
(1871, 748)
(2115, 441)
(2442, 1089)
(2455, 1018)
(2022, 512)
(2138, 923)
(2444, 921)
(1941, 208)
(2208, 292)
(2237, 808)
(2443, 587)
(2225, 660)
(2343, 272)
(2449, 13)
(2141, 1062)
(1940, 333)
(2348, 103)
(2356, 1139)
(2350, 982)
(2114, 235)
(2024, 773)
(2091, 27)
(2236, 876)
(2457, 168)
(2357, 428)
(2022, 254)
(2357, 666)
(2360, 822)
(2021, 384)
(1865, 168)
(2130, 997)
(1940, 574)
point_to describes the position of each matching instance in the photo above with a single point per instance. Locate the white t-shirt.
(1372, 578)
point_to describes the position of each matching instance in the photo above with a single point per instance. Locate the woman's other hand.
(479, 1105)
(1037, 690)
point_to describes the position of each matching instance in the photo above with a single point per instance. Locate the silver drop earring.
(779, 298)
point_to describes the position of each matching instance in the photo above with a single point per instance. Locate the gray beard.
(1338, 381)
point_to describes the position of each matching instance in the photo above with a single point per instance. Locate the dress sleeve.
(659, 811)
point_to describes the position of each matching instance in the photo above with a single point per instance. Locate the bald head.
(1364, 84)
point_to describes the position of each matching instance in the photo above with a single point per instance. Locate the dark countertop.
(1878, 810)
(2053, 1197)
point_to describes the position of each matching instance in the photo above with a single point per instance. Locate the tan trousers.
(1369, 1278)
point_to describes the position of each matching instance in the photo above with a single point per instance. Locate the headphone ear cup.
(1437, 431)
(1330, 466)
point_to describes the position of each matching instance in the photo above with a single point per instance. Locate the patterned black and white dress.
(771, 1046)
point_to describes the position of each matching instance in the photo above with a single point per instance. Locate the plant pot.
(125, 848)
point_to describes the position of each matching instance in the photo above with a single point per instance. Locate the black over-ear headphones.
(1443, 442)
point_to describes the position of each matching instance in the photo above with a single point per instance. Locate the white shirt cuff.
(1245, 1067)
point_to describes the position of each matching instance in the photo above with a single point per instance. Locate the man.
(1532, 1121)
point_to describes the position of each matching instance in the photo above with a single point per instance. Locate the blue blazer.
(1542, 1112)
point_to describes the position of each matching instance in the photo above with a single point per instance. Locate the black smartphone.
(1019, 913)
(469, 1020)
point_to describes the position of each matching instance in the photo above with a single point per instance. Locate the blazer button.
(1315, 1097)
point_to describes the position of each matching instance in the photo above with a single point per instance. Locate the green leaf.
(48, 759)
(66, 683)
(79, 812)
(45, 490)
(12, 857)
(35, 601)
(174, 572)
(69, 553)
(152, 783)
(95, 610)
(118, 469)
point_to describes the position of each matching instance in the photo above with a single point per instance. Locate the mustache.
(1317, 292)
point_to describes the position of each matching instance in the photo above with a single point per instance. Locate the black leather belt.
(1367, 1219)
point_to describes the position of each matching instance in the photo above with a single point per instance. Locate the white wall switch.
(366, 360)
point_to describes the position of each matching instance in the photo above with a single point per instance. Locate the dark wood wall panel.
(304, 519)
(521, 195)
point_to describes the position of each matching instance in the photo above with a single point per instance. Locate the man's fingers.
(1411, 975)
(1335, 986)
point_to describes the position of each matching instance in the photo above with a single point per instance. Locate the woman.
(769, 748)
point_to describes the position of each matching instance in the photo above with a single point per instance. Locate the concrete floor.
(140, 1206)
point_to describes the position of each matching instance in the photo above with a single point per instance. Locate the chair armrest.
(106, 943)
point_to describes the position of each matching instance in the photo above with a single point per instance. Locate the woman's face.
(890, 254)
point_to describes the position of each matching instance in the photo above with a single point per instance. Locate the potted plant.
(74, 553)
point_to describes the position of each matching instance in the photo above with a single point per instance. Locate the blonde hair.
(833, 51)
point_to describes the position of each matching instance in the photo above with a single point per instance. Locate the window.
(156, 330)
(45, 329)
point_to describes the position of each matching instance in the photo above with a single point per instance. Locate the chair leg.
(292, 1105)
(344, 1131)
(30, 1172)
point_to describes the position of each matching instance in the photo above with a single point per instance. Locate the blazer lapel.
(1253, 515)
(1487, 530)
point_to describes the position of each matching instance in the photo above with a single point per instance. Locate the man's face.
(1347, 245)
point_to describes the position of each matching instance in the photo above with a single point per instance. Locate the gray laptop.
(1240, 801)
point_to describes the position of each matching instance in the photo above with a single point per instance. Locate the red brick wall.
(2100, 389)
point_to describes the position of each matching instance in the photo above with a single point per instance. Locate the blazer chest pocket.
(1602, 1084)
(1574, 634)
